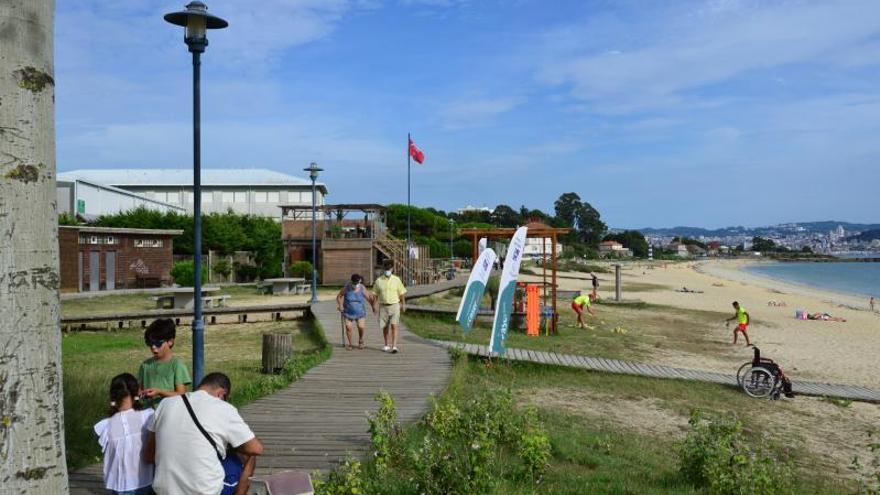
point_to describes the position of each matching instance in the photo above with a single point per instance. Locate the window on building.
(207, 196)
(228, 197)
(148, 243)
(240, 197)
(260, 196)
(111, 239)
(273, 197)
(174, 197)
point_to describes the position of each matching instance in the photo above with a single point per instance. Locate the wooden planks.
(659, 371)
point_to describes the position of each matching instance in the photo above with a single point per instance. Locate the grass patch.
(91, 359)
(648, 329)
(591, 449)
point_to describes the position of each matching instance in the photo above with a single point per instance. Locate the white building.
(470, 208)
(246, 191)
(90, 200)
(533, 248)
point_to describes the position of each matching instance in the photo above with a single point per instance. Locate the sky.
(657, 113)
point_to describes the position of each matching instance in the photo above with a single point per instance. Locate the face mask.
(387, 273)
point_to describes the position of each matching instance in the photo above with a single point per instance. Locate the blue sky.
(658, 113)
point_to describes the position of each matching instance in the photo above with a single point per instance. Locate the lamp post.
(313, 170)
(197, 21)
(451, 229)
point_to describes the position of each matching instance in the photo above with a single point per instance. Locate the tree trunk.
(31, 415)
(277, 349)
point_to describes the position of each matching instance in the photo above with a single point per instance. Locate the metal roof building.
(247, 191)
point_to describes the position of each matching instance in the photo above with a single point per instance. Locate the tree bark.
(31, 415)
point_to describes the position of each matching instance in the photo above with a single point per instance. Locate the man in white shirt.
(186, 462)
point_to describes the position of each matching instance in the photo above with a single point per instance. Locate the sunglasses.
(154, 343)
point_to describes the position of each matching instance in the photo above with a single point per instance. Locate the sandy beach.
(826, 351)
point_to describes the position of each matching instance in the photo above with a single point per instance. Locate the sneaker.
(394, 350)
(386, 348)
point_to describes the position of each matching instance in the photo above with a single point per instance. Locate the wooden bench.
(164, 302)
(215, 301)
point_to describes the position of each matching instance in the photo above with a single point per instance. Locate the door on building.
(94, 271)
(110, 269)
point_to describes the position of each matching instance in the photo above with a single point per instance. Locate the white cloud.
(477, 112)
(683, 51)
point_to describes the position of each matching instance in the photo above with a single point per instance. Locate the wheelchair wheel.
(741, 372)
(758, 382)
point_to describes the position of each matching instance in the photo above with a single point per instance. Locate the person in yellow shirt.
(390, 291)
(742, 322)
(580, 303)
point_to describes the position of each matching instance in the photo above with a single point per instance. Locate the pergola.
(535, 230)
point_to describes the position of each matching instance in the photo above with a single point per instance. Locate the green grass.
(649, 328)
(592, 452)
(91, 359)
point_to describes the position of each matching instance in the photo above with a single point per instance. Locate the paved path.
(658, 371)
(320, 418)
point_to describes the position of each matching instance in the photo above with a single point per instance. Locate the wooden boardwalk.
(852, 392)
(322, 417)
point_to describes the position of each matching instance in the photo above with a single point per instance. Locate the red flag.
(414, 151)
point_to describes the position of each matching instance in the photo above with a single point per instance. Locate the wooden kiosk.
(535, 230)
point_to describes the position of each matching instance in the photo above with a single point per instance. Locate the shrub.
(346, 480)
(383, 430)
(717, 455)
(223, 267)
(246, 273)
(301, 269)
(183, 273)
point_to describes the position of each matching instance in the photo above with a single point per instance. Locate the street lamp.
(197, 21)
(451, 228)
(313, 170)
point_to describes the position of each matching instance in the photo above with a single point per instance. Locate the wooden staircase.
(420, 271)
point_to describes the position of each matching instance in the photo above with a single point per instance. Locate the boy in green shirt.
(162, 375)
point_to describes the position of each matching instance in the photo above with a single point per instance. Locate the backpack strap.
(192, 414)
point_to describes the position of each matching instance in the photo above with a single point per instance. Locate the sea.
(861, 279)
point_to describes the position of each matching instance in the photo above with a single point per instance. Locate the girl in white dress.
(122, 437)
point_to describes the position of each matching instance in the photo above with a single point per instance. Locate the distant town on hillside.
(821, 237)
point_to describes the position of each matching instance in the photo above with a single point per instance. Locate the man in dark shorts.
(595, 286)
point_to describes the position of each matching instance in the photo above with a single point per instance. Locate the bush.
(301, 269)
(463, 446)
(717, 455)
(223, 267)
(183, 273)
(246, 273)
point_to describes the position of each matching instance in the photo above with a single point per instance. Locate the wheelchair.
(763, 377)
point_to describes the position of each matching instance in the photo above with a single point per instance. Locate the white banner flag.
(473, 292)
(506, 289)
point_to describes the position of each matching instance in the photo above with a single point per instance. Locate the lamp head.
(197, 21)
(313, 170)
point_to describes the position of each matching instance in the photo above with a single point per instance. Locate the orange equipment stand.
(533, 311)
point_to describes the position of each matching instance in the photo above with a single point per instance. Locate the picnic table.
(183, 296)
(284, 285)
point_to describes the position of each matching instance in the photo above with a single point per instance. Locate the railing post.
(618, 287)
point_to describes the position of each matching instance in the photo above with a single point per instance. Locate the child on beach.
(122, 436)
(162, 375)
(742, 320)
(580, 303)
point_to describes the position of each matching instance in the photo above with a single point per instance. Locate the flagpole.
(408, 207)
